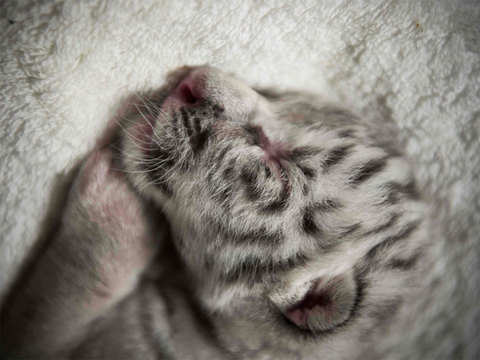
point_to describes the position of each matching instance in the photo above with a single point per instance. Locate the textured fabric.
(66, 66)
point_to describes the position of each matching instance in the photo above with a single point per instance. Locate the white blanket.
(65, 67)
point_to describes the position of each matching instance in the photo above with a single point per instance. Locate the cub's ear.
(320, 304)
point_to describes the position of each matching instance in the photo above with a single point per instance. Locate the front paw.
(104, 192)
(105, 200)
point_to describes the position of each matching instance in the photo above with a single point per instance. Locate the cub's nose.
(208, 84)
(191, 88)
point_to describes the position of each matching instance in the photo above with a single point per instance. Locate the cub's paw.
(102, 196)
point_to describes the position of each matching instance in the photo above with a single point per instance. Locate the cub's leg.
(103, 245)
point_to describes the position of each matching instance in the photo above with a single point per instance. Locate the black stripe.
(174, 124)
(395, 190)
(162, 158)
(326, 205)
(305, 189)
(248, 269)
(196, 124)
(155, 157)
(367, 170)
(249, 178)
(217, 160)
(185, 122)
(346, 133)
(258, 236)
(268, 172)
(253, 269)
(391, 240)
(307, 171)
(199, 140)
(254, 236)
(362, 286)
(384, 311)
(221, 155)
(270, 94)
(335, 156)
(304, 152)
(253, 134)
(279, 204)
(283, 174)
(308, 224)
(391, 221)
(404, 264)
(348, 230)
(229, 171)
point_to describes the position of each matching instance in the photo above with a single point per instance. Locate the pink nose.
(190, 90)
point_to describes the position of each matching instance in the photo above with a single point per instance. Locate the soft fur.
(298, 230)
(66, 66)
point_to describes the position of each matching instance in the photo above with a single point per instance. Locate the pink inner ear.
(316, 298)
(326, 305)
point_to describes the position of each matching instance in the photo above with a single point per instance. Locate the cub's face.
(286, 209)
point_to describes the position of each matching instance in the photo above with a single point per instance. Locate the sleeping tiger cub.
(230, 223)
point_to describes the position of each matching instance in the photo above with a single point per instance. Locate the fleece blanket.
(66, 66)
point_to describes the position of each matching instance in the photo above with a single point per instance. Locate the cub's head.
(282, 201)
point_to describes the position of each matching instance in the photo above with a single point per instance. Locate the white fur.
(67, 65)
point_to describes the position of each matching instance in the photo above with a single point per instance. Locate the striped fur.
(297, 229)
(274, 202)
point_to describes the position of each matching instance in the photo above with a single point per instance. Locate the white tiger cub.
(298, 232)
